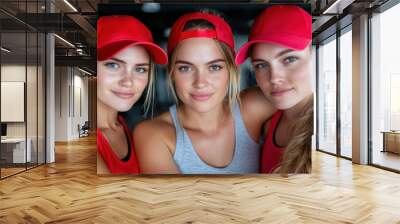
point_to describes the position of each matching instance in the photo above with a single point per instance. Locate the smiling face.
(122, 78)
(282, 74)
(200, 74)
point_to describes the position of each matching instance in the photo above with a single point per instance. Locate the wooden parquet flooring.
(10, 171)
(69, 191)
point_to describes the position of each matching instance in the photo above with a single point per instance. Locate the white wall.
(80, 110)
(61, 103)
(16, 73)
(33, 126)
(71, 93)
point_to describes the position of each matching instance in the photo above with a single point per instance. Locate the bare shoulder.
(160, 128)
(157, 123)
(155, 145)
(255, 105)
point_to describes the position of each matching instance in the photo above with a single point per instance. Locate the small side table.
(391, 141)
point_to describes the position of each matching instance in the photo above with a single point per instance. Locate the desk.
(16, 147)
(391, 141)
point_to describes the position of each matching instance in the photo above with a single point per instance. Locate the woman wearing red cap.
(208, 131)
(280, 51)
(126, 53)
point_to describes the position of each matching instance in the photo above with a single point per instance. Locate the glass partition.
(385, 89)
(346, 93)
(13, 108)
(22, 87)
(327, 96)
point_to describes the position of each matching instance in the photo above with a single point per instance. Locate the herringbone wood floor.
(69, 191)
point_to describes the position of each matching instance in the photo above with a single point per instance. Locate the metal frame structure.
(44, 74)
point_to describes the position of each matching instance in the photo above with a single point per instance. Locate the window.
(385, 89)
(327, 96)
(346, 93)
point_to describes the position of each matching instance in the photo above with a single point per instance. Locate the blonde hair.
(150, 93)
(297, 155)
(234, 75)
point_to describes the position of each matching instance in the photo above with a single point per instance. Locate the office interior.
(39, 108)
(48, 79)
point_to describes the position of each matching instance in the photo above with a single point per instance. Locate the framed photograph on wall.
(12, 101)
(204, 88)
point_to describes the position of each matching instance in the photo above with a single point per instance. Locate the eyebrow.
(119, 60)
(257, 60)
(189, 63)
(215, 61)
(124, 62)
(284, 52)
(143, 64)
(276, 56)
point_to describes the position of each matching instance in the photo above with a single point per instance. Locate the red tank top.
(271, 154)
(114, 164)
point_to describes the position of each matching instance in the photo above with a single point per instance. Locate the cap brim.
(295, 43)
(157, 54)
(242, 54)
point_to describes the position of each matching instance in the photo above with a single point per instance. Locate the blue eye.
(215, 67)
(141, 70)
(112, 65)
(290, 59)
(184, 68)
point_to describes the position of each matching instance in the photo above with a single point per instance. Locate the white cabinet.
(18, 149)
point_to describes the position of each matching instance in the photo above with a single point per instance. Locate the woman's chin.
(284, 105)
(123, 106)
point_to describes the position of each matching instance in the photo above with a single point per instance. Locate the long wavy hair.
(296, 158)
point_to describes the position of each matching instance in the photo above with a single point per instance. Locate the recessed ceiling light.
(337, 6)
(84, 71)
(70, 5)
(65, 41)
(5, 50)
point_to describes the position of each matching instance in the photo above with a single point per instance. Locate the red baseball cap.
(117, 32)
(286, 25)
(222, 31)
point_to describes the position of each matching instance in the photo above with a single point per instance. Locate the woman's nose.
(127, 78)
(200, 79)
(276, 76)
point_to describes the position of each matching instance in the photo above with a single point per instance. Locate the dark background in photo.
(159, 17)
